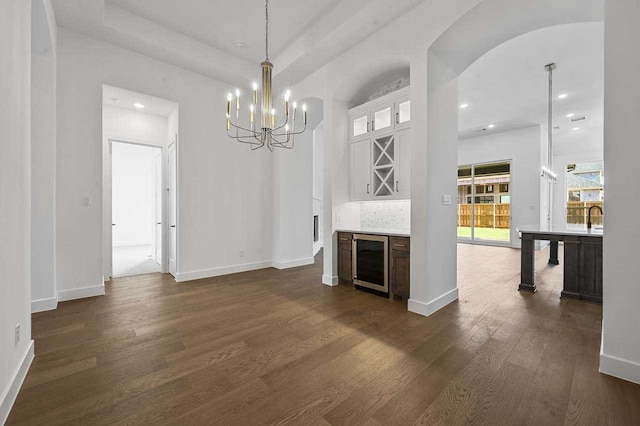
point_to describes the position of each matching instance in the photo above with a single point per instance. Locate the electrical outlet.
(241, 253)
(17, 334)
(86, 201)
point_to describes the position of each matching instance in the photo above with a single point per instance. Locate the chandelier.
(273, 133)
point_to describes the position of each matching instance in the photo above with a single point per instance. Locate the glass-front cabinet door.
(381, 118)
(359, 125)
(403, 112)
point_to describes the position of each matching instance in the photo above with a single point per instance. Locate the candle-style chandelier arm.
(241, 139)
(292, 133)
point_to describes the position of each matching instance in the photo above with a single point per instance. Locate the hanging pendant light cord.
(266, 39)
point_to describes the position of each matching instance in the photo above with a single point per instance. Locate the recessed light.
(562, 95)
(576, 129)
(491, 126)
(463, 106)
(570, 115)
(138, 105)
(240, 44)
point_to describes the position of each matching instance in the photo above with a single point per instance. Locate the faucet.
(589, 220)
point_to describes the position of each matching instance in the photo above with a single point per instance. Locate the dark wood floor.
(279, 347)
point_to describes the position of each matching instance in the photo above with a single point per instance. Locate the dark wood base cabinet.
(399, 267)
(345, 261)
(399, 263)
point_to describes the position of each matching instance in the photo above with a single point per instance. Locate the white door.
(173, 240)
(360, 170)
(403, 165)
(157, 208)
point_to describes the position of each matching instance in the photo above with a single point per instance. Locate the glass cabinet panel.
(382, 119)
(404, 112)
(360, 125)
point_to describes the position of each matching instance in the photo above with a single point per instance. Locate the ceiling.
(221, 23)
(201, 35)
(508, 87)
(121, 98)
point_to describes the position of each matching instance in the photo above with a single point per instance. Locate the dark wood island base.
(582, 261)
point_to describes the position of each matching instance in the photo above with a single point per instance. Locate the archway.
(434, 87)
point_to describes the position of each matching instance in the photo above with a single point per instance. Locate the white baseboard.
(435, 305)
(10, 393)
(42, 305)
(226, 270)
(621, 368)
(81, 293)
(293, 263)
(132, 243)
(329, 280)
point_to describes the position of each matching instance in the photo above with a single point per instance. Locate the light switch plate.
(86, 201)
(446, 200)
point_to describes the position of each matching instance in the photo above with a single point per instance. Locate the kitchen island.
(582, 259)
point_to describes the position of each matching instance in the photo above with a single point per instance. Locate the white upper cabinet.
(359, 125)
(381, 118)
(403, 111)
(403, 168)
(360, 169)
(380, 152)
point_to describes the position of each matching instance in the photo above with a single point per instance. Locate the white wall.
(43, 157)
(15, 193)
(293, 204)
(133, 194)
(134, 126)
(620, 332)
(224, 189)
(585, 145)
(318, 183)
(523, 148)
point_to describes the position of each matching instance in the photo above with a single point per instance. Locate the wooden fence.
(578, 211)
(485, 215)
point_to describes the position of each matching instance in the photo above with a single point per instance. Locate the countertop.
(556, 229)
(377, 231)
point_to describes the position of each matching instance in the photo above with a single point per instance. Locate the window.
(585, 188)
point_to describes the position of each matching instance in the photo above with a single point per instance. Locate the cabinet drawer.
(345, 238)
(400, 243)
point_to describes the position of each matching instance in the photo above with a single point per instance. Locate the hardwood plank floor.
(278, 347)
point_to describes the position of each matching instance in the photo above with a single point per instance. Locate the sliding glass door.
(484, 203)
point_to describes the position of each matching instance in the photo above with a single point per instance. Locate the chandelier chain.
(266, 39)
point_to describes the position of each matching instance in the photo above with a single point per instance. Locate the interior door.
(173, 216)
(157, 201)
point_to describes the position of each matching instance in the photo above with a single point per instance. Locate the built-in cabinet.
(379, 148)
(399, 263)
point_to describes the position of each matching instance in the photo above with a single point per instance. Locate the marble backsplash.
(392, 215)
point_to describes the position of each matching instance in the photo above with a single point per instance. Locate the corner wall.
(15, 187)
(620, 354)
(43, 156)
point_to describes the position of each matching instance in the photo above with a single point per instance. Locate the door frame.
(108, 201)
(172, 142)
(473, 240)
